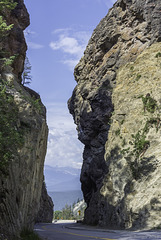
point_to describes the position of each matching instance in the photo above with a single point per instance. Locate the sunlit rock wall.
(117, 76)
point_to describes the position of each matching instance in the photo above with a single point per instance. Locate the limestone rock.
(131, 187)
(23, 136)
(105, 106)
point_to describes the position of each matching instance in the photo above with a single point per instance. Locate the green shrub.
(7, 4)
(151, 122)
(11, 136)
(29, 235)
(139, 143)
(8, 61)
(36, 104)
(58, 215)
(149, 103)
(4, 28)
(158, 55)
(66, 213)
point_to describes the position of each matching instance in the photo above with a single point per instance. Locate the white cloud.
(33, 45)
(71, 43)
(64, 149)
(68, 45)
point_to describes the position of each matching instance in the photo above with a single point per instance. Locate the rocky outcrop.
(45, 213)
(14, 44)
(23, 134)
(22, 176)
(116, 84)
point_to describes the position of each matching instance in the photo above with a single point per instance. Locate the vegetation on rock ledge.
(11, 136)
(149, 103)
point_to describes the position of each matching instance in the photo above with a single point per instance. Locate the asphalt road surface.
(73, 231)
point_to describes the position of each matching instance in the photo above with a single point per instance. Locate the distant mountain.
(60, 199)
(61, 179)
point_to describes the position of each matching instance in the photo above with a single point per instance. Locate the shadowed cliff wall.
(23, 134)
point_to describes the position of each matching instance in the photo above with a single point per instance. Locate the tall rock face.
(23, 133)
(45, 214)
(116, 107)
(14, 43)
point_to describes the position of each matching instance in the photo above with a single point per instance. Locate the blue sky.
(56, 38)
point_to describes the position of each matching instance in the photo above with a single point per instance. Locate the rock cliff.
(45, 214)
(116, 107)
(23, 131)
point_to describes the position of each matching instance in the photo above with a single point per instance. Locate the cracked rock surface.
(22, 192)
(117, 79)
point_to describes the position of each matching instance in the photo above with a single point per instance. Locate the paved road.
(70, 231)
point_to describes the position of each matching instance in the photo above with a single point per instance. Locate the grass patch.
(149, 103)
(158, 55)
(117, 132)
(29, 235)
(150, 123)
(139, 143)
